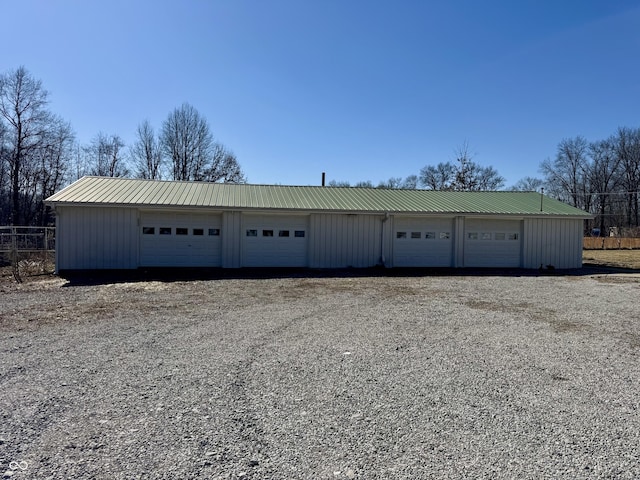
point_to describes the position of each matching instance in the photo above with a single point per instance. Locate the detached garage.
(115, 223)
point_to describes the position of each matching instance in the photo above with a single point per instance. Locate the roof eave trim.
(60, 203)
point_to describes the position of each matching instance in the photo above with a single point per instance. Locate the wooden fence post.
(14, 255)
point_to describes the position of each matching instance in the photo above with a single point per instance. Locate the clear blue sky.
(360, 89)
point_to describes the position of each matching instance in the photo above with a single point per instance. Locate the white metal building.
(114, 223)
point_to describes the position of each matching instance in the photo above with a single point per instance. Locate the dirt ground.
(349, 375)
(31, 267)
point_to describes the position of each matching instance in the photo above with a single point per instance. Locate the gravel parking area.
(327, 377)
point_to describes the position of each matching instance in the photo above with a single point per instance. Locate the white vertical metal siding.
(342, 240)
(231, 239)
(458, 242)
(109, 238)
(386, 242)
(96, 238)
(552, 241)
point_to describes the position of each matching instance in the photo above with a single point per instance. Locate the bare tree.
(466, 171)
(604, 176)
(146, 153)
(23, 110)
(392, 183)
(567, 176)
(440, 177)
(187, 142)
(411, 182)
(627, 146)
(601, 177)
(470, 176)
(364, 184)
(5, 197)
(464, 175)
(106, 156)
(79, 163)
(528, 184)
(224, 167)
(54, 159)
(338, 183)
(398, 183)
(488, 178)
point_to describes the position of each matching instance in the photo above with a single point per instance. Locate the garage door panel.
(200, 246)
(492, 243)
(275, 241)
(423, 242)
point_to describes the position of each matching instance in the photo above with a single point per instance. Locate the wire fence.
(28, 250)
(27, 239)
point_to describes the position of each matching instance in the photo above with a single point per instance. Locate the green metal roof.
(103, 191)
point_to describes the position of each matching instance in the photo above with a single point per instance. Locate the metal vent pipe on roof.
(323, 179)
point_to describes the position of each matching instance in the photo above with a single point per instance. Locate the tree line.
(39, 153)
(463, 174)
(601, 177)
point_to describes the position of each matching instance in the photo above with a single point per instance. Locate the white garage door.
(180, 240)
(423, 242)
(275, 241)
(492, 243)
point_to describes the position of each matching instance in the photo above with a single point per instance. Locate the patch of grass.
(612, 258)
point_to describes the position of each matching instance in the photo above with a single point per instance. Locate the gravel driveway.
(322, 377)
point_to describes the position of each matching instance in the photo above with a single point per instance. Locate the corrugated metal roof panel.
(101, 190)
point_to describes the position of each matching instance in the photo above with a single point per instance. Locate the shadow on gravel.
(97, 277)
